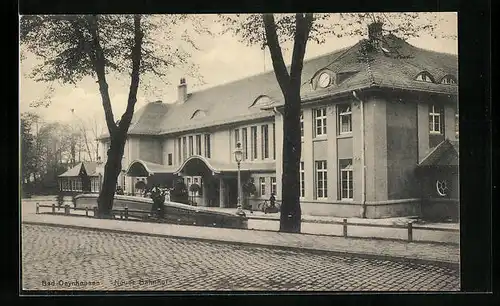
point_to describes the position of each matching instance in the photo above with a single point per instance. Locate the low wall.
(175, 212)
(438, 209)
(393, 208)
(349, 209)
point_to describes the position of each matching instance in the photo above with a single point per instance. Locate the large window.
(321, 180)
(262, 184)
(345, 118)
(207, 146)
(236, 136)
(320, 121)
(253, 142)
(302, 180)
(273, 185)
(301, 124)
(435, 119)
(346, 186)
(198, 144)
(274, 141)
(184, 148)
(191, 146)
(265, 141)
(179, 150)
(244, 142)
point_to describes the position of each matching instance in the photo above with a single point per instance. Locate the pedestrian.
(272, 200)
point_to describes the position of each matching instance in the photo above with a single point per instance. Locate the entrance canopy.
(156, 173)
(200, 166)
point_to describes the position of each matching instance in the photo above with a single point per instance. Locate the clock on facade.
(324, 80)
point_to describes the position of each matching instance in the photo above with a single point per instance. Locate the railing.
(126, 215)
(121, 213)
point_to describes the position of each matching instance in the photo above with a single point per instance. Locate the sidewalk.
(380, 249)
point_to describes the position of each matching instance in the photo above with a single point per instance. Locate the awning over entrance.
(144, 168)
(156, 173)
(199, 165)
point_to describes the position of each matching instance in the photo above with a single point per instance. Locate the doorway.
(231, 192)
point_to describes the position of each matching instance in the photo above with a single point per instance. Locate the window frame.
(344, 112)
(253, 143)
(273, 185)
(322, 119)
(301, 124)
(208, 146)
(262, 186)
(346, 167)
(236, 136)
(244, 142)
(435, 112)
(264, 139)
(323, 170)
(198, 144)
(191, 145)
(169, 159)
(302, 181)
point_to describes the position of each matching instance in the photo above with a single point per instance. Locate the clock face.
(324, 80)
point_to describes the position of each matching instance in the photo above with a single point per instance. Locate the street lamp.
(238, 156)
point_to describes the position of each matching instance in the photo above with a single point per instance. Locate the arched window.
(448, 79)
(425, 77)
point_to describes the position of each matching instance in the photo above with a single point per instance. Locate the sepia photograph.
(298, 152)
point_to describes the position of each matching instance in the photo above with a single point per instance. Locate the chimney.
(182, 91)
(375, 31)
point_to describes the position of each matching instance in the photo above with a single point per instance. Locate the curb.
(414, 260)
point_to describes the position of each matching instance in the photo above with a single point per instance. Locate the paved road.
(56, 258)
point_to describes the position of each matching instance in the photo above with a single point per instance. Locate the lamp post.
(238, 155)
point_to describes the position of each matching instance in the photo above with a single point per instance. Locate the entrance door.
(232, 192)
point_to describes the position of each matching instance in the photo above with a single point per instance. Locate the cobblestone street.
(72, 259)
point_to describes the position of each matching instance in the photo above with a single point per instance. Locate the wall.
(402, 149)
(423, 129)
(168, 147)
(150, 149)
(375, 149)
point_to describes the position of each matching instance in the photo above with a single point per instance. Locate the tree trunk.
(112, 169)
(290, 217)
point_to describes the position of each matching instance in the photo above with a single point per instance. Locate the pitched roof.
(88, 167)
(231, 102)
(445, 153)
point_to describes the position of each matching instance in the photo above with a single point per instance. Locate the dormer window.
(262, 101)
(324, 80)
(448, 79)
(425, 77)
(198, 114)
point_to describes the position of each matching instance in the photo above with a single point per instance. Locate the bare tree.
(76, 46)
(274, 30)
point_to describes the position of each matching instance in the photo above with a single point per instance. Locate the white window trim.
(325, 181)
(302, 131)
(343, 115)
(323, 121)
(262, 183)
(273, 185)
(435, 115)
(348, 169)
(302, 182)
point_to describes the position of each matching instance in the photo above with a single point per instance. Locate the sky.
(222, 59)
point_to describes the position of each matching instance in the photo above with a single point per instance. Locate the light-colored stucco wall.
(375, 149)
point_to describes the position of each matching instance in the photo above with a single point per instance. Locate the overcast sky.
(222, 59)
